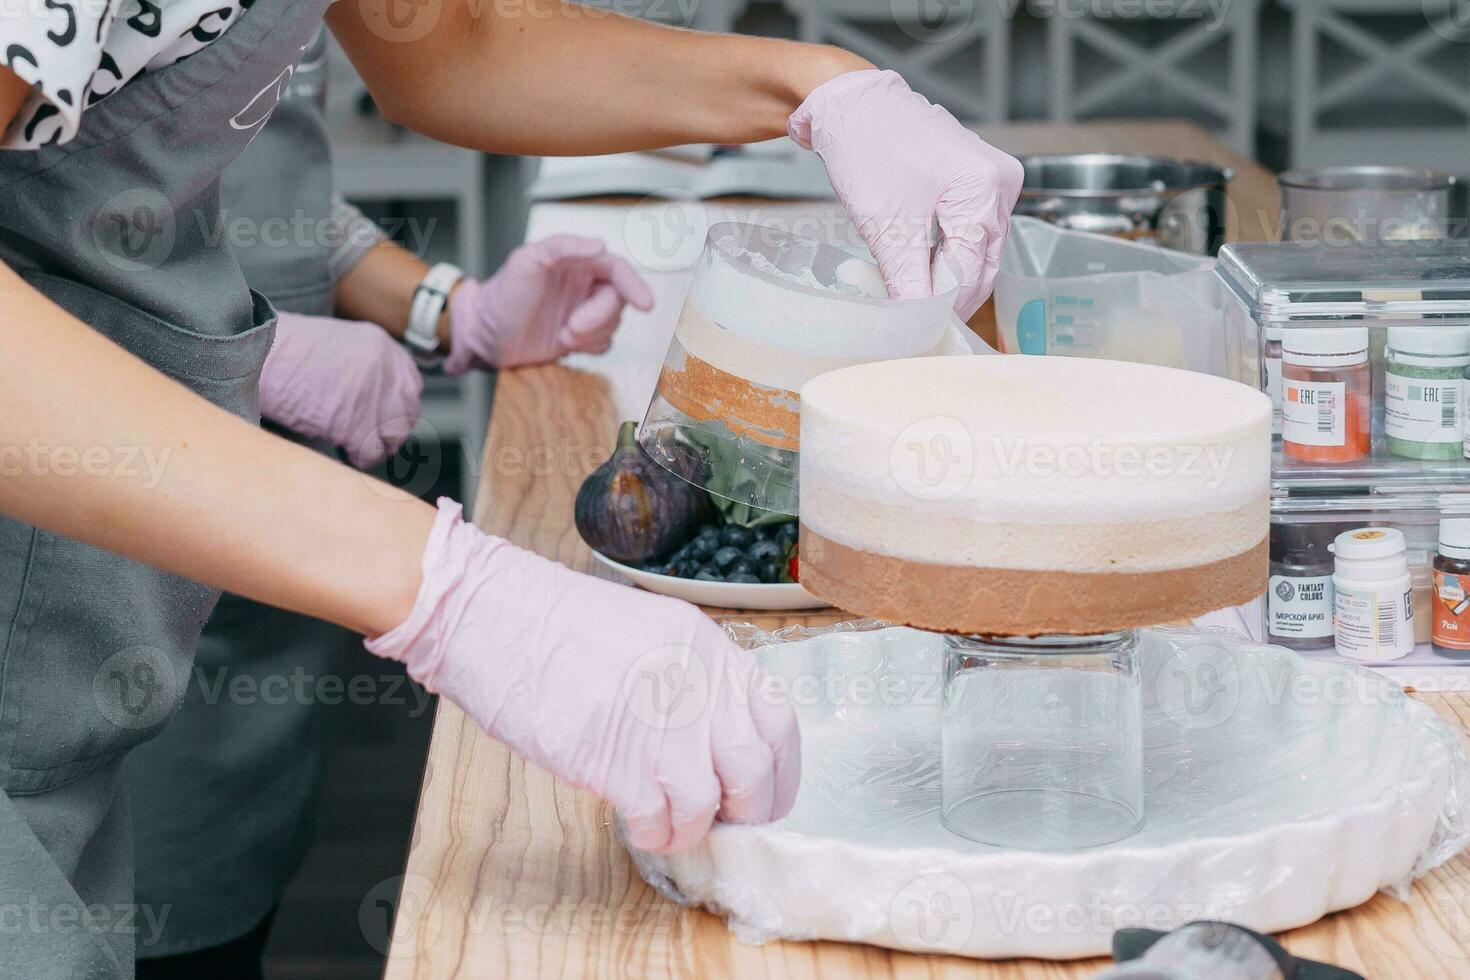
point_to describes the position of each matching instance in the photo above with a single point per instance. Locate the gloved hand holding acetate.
(900, 164)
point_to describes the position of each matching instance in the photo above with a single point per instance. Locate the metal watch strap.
(429, 299)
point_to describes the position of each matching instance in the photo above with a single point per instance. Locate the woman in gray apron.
(219, 856)
(636, 697)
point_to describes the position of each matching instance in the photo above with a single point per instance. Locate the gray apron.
(220, 856)
(117, 226)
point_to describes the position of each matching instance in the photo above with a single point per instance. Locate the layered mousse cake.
(766, 312)
(1014, 495)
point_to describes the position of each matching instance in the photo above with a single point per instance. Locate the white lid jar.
(1324, 346)
(1372, 595)
(1454, 538)
(1430, 346)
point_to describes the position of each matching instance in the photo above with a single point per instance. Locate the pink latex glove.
(344, 381)
(640, 698)
(551, 297)
(898, 164)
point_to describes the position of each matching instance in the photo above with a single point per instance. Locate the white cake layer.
(990, 460)
(790, 318)
(736, 353)
(947, 539)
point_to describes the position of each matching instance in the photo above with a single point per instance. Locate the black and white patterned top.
(75, 53)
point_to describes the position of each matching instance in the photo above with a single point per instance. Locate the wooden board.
(513, 874)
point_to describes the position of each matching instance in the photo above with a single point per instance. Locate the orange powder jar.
(1326, 394)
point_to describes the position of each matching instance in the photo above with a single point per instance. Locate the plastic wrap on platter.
(1277, 790)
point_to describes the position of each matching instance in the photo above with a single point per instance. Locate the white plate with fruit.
(669, 536)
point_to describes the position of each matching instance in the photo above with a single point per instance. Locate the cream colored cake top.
(1028, 462)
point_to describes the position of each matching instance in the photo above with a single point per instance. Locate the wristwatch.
(429, 298)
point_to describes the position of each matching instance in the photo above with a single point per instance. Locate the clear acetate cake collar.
(766, 312)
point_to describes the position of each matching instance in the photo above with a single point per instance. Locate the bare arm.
(380, 289)
(229, 505)
(550, 77)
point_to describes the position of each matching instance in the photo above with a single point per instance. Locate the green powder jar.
(1423, 376)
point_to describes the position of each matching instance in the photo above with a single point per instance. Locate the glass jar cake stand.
(1042, 740)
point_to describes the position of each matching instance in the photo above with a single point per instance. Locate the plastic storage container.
(1410, 289)
(1042, 741)
(1304, 523)
(1080, 294)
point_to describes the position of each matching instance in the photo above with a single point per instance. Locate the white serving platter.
(1278, 790)
(777, 597)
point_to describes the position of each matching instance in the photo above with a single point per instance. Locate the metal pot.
(1367, 204)
(1178, 203)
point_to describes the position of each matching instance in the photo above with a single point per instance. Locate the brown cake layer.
(703, 392)
(1015, 602)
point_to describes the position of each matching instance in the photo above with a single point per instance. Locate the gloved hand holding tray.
(1278, 790)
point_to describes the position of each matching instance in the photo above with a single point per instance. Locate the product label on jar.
(1374, 626)
(1451, 626)
(1273, 388)
(1299, 607)
(1421, 410)
(1312, 412)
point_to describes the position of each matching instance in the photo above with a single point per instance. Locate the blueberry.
(725, 557)
(711, 531)
(744, 566)
(765, 551)
(733, 535)
(770, 572)
(703, 548)
(656, 567)
(705, 575)
(744, 578)
(786, 534)
(683, 568)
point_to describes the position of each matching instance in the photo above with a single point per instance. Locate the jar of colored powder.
(1423, 373)
(1326, 394)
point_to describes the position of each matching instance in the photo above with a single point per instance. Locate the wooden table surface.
(513, 874)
